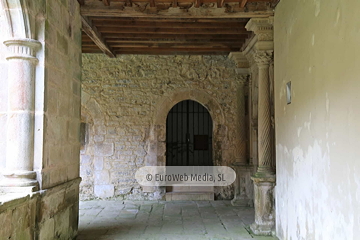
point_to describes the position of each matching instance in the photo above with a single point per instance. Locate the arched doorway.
(189, 137)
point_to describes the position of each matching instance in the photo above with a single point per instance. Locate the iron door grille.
(189, 135)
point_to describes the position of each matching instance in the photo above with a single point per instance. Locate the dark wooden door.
(189, 135)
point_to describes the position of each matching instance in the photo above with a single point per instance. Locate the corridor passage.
(164, 220)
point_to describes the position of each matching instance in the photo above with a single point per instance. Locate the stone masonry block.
(101, 177)
(104, 191)
(104, 149)
(98, 163)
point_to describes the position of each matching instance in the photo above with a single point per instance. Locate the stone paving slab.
(157, 220)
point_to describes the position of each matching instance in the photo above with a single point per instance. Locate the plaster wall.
(125, 102)
(317, 135)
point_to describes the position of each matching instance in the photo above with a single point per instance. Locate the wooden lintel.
(106, 2)
(243, 3)
(192, 12)
(95, 35)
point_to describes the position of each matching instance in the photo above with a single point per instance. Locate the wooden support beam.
(106, 2)
(243, 3)
(95, 35)
(197, 3)
(220, 3)
(173, 50)
(175, 4)
(152, 3)
(128, 3)
(156, 24)
(161, 41)
(172, 45)
(170, 20)
(172, 30)
(173, 36)
(181, 13)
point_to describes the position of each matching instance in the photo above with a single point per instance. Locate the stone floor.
(164, 220)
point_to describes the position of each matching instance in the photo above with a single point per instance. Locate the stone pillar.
(242, 190)
(19, 174)
(261, 52)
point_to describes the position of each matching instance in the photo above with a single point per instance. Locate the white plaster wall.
(317, 48)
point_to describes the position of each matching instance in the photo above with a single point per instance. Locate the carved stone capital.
(262, 27)
(262, 57)
(22, 49)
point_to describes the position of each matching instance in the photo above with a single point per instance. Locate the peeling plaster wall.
(317, 48)
(125, 102)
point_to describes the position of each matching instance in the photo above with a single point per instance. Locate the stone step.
(190, 196)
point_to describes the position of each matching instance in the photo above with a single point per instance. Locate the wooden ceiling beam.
(168, 53)
(220, 3)
(172, 30)
(194, 41)
(219, 49)
(181, 13)
(96, 36)
(171, 20)
(202, 51)
(197, 3)
(243, 3)
(174, 36)
(173, 45)
(136, 24)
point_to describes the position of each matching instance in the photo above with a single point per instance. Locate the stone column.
(242, 190)
(264, 179)
(19, 175)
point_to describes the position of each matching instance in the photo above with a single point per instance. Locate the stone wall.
(125, 102)
(61, 71)
(317, 135)
(53, 211)
(51, 214)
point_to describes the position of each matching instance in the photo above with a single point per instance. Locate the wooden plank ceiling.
(165, 27)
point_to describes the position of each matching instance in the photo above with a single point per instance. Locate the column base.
(262, 230)
(242, 202)
(20, 181)
(264, 206)
(243, 196)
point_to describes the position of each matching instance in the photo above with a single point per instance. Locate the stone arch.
(18, 20)
(157, 146)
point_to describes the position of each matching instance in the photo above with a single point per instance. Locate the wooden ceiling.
(164, 27)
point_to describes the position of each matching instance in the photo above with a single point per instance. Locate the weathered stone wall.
(125, 102)
(317, 135)
(51, 214)
(18, 217)
(61, 74)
